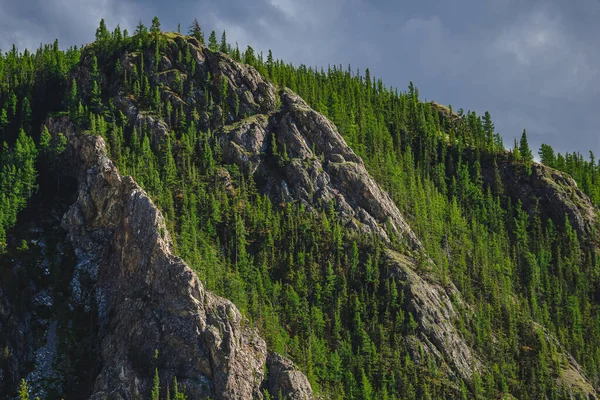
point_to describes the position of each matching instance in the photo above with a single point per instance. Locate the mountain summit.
(371, 245)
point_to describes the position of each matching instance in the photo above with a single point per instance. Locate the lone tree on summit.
(102, 34)
(524, 147)
(196, 31)
(155, 27)
(526, 153)
(213, 45)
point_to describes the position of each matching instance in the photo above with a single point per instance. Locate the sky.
(533, 65)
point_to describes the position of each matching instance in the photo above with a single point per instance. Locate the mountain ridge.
(298, 159)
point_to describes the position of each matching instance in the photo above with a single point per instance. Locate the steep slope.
(316, 255)
(296, 155)
(152, 310)
(247, 117)
(147, 300)
(432, 303)
(148, 304)
(316, 167)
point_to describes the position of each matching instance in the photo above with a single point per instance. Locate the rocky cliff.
(295, 154)
(431, 302)
(147, 312)
(316, 167)
(152, 311)
(148, 301)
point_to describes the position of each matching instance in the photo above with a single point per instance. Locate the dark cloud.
(533, 65)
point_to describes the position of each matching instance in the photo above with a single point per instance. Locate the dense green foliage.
(31, 87)
(512, 265)
(17, 181)
(316, 290)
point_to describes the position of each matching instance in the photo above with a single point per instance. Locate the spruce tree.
(155, 27)
(155, 395)
(212, 41)
(526, 153)
(547, 156)
(196, 31)
(102, 34)
(524, 149)
(224, 47)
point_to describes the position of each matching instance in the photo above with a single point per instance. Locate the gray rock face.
(256, 94)
(431, 304)
(149, 300)
(432, 308)
(16, 336)
(321, 168)
(158, 128)
(284, 378)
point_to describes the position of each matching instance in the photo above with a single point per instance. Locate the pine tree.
(488, 128)
(366, 388)
(270, 64)
(45, 139)
(196, 31)
(26, 114)
(117, 35)
(516, 152)
(96, 97)
(224, 47)
(23, 390)
(524, 149)
(249, 57)
(155, 395)
(141, 34)
(102, 34)
(547, 156)
(155, 27)
(213, 45)
(177, 394)
(73, 99)
(3, 119)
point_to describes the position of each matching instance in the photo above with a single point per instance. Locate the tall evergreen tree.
(196, 31)
(224, 47)
(212, 41)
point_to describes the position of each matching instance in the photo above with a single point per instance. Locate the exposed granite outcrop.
(286, 380)
(153, 312)
(433, 310)
(317, 167)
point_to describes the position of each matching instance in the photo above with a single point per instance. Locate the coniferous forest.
(318, 291)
